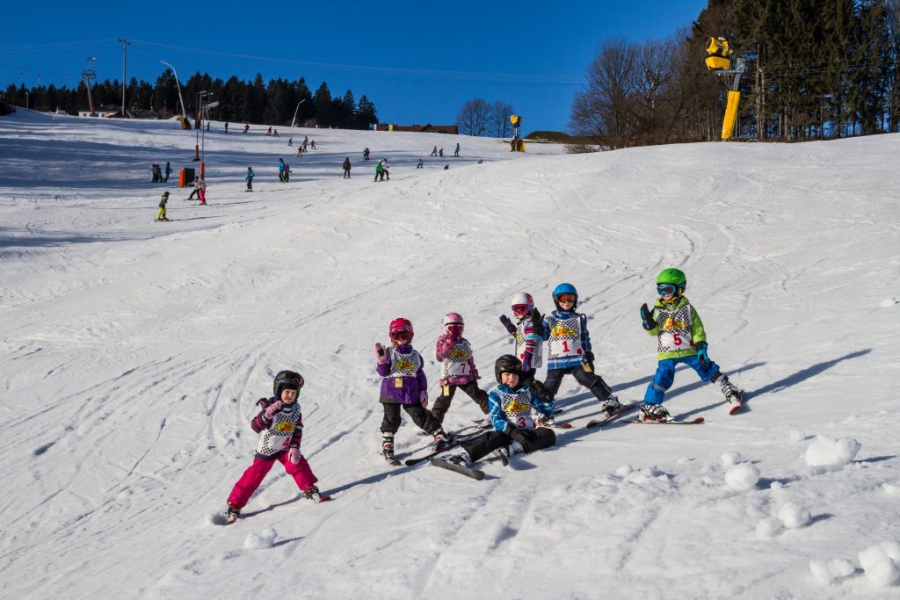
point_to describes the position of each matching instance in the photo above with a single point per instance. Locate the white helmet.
(523, 299)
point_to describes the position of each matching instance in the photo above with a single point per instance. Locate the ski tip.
(735, 409)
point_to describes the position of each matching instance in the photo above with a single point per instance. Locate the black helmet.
(507, 364)
(287, 380)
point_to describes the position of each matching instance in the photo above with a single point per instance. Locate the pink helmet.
(452, 319)
(401, 325)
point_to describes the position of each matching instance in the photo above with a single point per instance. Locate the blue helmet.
(564, 288)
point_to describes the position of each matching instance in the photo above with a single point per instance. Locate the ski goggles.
(520, 309)
(290, 383)
(666, 289)
(566, 298)
(399, 335)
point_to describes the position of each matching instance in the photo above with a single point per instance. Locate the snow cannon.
(517, 144)
(719, 62)
(719, 54)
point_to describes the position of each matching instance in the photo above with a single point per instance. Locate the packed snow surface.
(133, 353)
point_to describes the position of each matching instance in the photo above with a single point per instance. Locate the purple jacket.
(404, 377)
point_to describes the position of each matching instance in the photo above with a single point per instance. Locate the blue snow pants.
(665, 376)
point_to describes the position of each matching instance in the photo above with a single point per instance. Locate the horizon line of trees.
(255, 101)
(814, 71)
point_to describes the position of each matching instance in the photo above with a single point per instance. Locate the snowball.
(768, 527)
(890, 489)
(883, 573)
(830, 453)
(742, 477)
(797, 435)
(827, 571)
(875, 553)
(265, 539)
(794, 516)
(624, 470)
(729, 459)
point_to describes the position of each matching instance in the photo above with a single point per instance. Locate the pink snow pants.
(254, 475)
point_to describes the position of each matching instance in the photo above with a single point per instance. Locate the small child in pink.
(280, 426)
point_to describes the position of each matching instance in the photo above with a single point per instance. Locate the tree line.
(815, 70)
(255, 101)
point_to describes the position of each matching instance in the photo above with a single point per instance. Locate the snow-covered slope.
(133, 352)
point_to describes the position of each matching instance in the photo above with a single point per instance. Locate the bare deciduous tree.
(473, 117)
(499, 120)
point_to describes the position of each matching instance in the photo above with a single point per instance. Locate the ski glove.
(541, 390)
(647, 319)
(508, 324)
(516, 435)
(537, 322)
(423, 398)
(294, 455)
(589, 359)
(273, 409)
(526, 363)
(701, 352)
(380, 354)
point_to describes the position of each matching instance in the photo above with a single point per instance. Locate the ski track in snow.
(133, 353)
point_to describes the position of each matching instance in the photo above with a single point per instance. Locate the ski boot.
(442, 441)
(654, 412)
(462, 459)
(232, 514)
(733, 394)
(312, 493)
(611, 405)
(387, 449)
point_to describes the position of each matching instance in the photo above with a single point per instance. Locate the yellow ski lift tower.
(517, 144)
(719, 61)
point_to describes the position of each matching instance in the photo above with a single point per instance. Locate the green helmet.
(672, 277)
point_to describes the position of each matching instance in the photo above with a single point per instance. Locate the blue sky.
(418, 62)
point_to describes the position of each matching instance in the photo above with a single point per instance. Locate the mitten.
(508, 324)
(526, 363)
(273, 409)
(380, 354)
(701, 352)
(541, 390)
(444, 345)
(423, 398)
(589, 359)
(647, 319)
(537, 322)
(515, 434)
(294, 455)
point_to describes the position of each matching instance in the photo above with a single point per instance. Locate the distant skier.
(161, 215)
(381, 170)
(404, 385)
(226, 126)
(312, 144)
(434, 151)
(510, 406)
(249, 179)
(290, 141)
(281, 170)
(202, 187)
(365, 154)
(346, 168)
(269, 132)
(246, 127)
(420, 164)
(681, 338)
(168, 172)
(456, 152)
(279, 424)
(196, 189)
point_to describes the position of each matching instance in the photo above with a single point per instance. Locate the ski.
(611, 417)
(453, 443)
(392, 461)
(554, 425)
(503, 458)
(676, 421)
(468, 472)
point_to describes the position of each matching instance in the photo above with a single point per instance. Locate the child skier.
(249, 179)
(511, 404)
(280, 426)
(161, 215)
(405, 385)
(569, 348)
(681, 338)
(458, 368)
(201, 185)
(527, 331)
